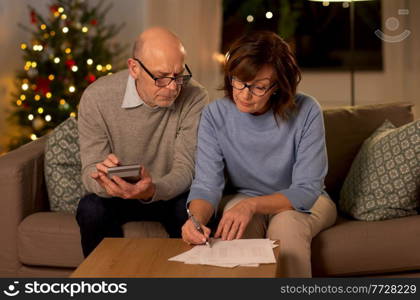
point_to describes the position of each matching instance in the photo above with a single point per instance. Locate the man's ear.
(133, 68)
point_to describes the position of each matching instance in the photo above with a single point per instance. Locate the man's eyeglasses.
(255, 89)
(166, 80)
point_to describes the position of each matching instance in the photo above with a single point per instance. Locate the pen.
(197, 225)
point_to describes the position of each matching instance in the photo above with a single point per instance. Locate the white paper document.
(242, 252)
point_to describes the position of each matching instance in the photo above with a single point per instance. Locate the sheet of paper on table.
(242, 252)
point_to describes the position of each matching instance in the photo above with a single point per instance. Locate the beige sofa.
(37, 242)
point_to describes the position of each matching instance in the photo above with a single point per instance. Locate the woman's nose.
(246, 93)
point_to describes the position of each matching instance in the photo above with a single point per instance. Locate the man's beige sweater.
(161, 139)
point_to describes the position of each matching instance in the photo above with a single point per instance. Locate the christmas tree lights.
(69, 49)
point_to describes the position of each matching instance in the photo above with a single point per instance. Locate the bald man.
(146, 115)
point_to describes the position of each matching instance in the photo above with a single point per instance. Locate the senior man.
(146, 115)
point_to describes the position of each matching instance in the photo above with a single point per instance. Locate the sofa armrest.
(22, 192)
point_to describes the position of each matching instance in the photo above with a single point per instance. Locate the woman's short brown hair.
(250, 53)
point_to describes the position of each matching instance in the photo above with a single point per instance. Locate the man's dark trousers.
(100, 217)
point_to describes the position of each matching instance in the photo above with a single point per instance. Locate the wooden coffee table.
(124, 257)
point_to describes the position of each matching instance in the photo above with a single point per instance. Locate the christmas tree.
(68, 50)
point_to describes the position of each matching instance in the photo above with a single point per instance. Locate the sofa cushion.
(382, 182)
(347, 127)
(354, 247)
(50, 239)
(63, 167)
(145, 229)
(53, 238)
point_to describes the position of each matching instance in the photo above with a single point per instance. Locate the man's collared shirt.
(132, 98)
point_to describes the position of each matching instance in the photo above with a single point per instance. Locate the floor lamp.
(352, 68)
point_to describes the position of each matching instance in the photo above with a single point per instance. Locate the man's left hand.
(143, 189)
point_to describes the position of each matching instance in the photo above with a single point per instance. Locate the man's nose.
(172, 85)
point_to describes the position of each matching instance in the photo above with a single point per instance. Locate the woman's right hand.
(191, 235)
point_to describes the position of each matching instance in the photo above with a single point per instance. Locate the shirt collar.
(132, 98)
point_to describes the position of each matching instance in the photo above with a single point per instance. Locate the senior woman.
(269, 142)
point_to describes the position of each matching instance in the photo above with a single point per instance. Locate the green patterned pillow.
(63, 167)
(384, 179)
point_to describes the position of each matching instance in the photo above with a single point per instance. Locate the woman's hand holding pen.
(199, 211)
(191, 235)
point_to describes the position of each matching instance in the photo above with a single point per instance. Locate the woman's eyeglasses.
(255, 89)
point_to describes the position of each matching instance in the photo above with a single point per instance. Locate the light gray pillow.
(384, 179)
(62, 167)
